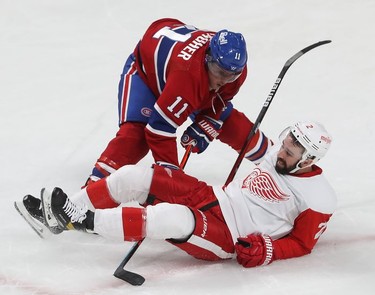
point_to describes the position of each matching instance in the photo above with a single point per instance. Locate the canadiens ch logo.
(262, 185)
(146, 112)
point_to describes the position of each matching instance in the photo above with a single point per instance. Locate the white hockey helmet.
(313, 137)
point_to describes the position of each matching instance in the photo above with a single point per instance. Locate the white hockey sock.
(81, 198)
(108, 223)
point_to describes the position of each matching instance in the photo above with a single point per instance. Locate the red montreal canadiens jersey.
(292, 209)
(170, 59)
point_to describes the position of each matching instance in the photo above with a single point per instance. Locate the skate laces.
(74, 213)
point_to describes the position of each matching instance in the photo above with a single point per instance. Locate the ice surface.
(60, 63)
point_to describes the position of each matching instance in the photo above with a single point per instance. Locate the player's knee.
(169, 221)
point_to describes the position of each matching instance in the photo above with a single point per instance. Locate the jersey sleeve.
(308, 227)
(170, 111)
(235, 131)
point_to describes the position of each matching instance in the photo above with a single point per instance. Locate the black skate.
(34, 207)
(69, 215)
(31, 210)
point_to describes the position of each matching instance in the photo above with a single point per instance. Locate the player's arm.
(256, 249)
(234, 132)
(170, 111)
(308, 227)
(207, 124)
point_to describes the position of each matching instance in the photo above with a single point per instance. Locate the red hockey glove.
(200, 133)
(254, 250)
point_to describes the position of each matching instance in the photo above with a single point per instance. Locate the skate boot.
(69, 215)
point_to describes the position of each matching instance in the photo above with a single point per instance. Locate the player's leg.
(210, 239)
(124, 223)
(146, 186)
(176, 187)
(198, 233)
(128, 147)
(135, 104)
(129, 183)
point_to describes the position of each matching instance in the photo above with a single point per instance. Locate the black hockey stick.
(128, 276)
(266, 105)
(131, 277)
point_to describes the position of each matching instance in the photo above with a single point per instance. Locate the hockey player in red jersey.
(278, 211)
(178, 71)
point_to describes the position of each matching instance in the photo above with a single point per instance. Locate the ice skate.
(69, 215)
(31, 210)
(34, 207)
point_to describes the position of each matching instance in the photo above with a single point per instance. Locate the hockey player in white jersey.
(278, 211)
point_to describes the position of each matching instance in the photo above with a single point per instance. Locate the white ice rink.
(60, 63)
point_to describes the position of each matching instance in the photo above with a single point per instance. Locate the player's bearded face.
(282, 166)
(288, 156)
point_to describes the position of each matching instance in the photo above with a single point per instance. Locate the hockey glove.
(200, 133)
(254, 250)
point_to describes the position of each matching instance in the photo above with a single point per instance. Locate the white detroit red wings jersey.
(292, 209)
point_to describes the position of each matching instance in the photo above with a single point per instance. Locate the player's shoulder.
(316, 191)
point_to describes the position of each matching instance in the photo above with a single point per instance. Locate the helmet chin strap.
(305, 156)
(296, 168)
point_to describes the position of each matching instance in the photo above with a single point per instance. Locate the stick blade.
(302, 52)
(129, 277)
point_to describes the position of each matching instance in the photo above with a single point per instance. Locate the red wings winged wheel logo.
(261, 184)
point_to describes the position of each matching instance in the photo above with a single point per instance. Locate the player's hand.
(254, 250)
(200, 133)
